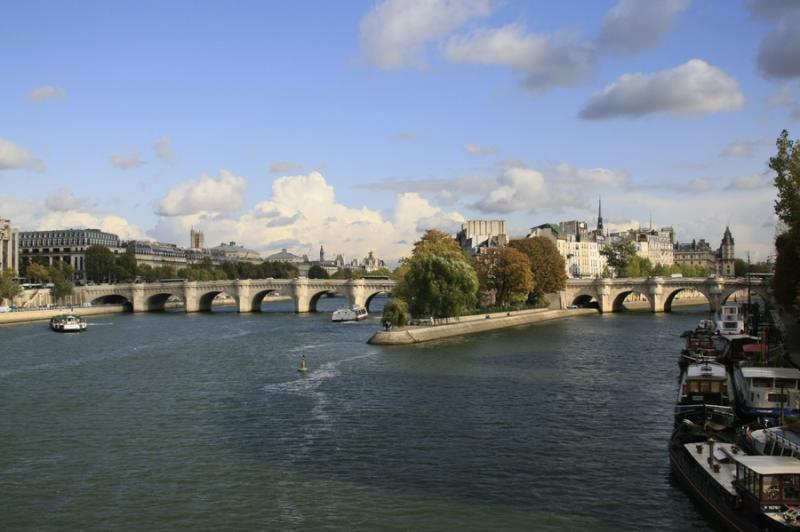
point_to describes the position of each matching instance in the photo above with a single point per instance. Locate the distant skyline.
(357, 125)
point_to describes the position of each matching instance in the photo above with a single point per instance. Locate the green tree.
(125, 267)
(547, 265)
(786, 165)
(62, 285)
(342, 274)
(100, 262)
(638, 267)
(9, 289)
(619, 254)
(396, 312)
(318, 272)
(507, 272)
(437, 280)
(37, 273)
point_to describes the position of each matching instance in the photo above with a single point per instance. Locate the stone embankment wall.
(471, 325)
(43, 315)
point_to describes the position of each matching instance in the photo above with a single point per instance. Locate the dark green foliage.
(619, 255)
(396, 312)
(8, 288)
(100, 262)
(786, 164)
(318, 272)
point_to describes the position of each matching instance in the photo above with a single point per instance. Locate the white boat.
(730, 320)
(67, 323)
(767, 391)
(354, 313)
(705, 395)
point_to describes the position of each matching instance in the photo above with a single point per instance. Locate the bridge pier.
(604, 300)
(244, 296)
(656, 290)
(191, 301)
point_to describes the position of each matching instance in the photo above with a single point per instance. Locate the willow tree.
(438, 279)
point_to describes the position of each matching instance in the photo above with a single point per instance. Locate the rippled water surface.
(172, 421)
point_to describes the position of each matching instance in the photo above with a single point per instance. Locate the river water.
(176, 422)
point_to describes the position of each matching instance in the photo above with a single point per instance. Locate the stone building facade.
(9, 246)
(65, 245)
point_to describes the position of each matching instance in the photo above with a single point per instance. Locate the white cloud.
(750, 182)
(36, 216)
(64, 200)
(474, 149)
(303, 214)
(163, 149)
(741, 148)
(636, 25)
(193, 197)
(281, 167)
(547, 61)
(48, 92)
(518, 189)
(693, 88)
(127, 161)
(396, 32)
(14, 157)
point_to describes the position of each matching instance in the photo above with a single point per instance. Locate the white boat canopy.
(771, 465)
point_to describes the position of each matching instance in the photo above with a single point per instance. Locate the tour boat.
(705, 395)
(767, 392)
(354, 313)
(743, 492)
(730, 320)
(67, 323)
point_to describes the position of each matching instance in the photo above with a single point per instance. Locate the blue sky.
(356, 125)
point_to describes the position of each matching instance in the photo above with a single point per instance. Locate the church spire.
(600, 215)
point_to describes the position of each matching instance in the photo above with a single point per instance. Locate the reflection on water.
(202, 421)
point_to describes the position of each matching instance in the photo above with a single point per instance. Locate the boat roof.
(707, 369)
(771, 465)
(759, 371)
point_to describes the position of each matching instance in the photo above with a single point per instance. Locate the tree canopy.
(437, 280)
(8, 288)
(547, 265)
(318, 272)
(619, 255)
(506, 272)
(100, 263)
(786, 165)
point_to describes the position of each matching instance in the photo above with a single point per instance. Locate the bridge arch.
(758, 292)
(258, 298)
(315, 296)
(113, 299)
(619, 298)
(158, 302)
(206, 300)
(670, 298)
(372, 296)
(584, 300)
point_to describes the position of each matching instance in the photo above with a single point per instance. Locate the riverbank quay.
(25, 316)
(471, 325)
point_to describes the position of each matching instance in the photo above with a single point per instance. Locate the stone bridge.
(198, 295)
(609, 294)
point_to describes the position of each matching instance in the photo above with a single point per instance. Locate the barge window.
(789, 384)
(770, 488)
(778, 398)
(761, 383)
